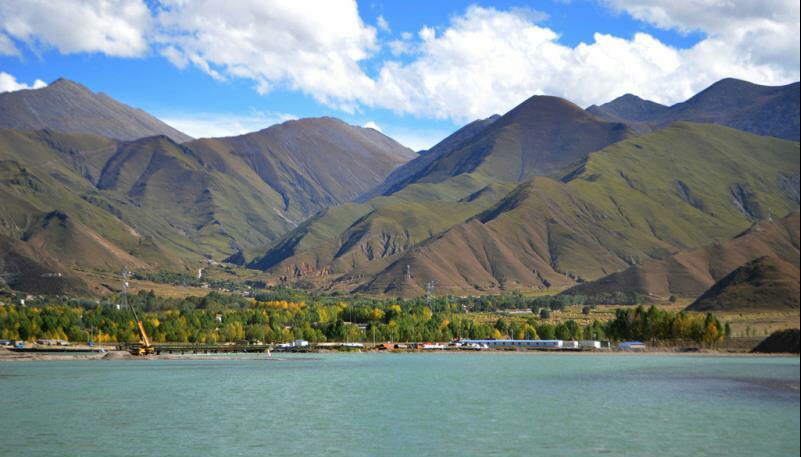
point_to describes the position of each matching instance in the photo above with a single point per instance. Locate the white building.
(590, 344)
(552, 344)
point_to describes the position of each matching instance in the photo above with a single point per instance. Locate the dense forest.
(282, 316)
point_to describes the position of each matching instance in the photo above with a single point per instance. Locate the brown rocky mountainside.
(765, 283)
(639, 199)
(688, 273)
(312, 163)
(539, 136)
(83, 201)
(436, 190)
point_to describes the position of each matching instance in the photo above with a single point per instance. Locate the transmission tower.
(430, 291)
(124, 299)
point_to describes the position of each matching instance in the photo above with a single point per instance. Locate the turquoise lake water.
(416, 405)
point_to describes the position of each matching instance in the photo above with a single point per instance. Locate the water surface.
(404, 405)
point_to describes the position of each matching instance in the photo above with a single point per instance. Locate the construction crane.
(144, 347)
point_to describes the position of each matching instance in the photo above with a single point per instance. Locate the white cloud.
(7, 47)
(311, 46)
(765, 31)
(372, 125)
(417, 139)
(212, 125)
(484, 61)
(400, 47)
(112, 27)
(382, 24)
(487, 61)
(8, 83)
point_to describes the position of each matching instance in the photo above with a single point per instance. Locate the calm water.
(403, 405)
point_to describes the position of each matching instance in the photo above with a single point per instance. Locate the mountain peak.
(64, 83)
(69, 107)
(61, 81)
(542, 108)
(764, 110)
(547, 102)
(628, 107)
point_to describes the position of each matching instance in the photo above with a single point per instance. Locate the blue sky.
(416, 69)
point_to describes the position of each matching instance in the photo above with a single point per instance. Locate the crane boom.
(145, 348)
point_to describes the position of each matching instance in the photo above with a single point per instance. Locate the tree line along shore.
(219, 318)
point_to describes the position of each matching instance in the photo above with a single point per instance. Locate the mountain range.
(630, 195)
(170, 205)
(621, 206)
(418, 203)
(763, 110)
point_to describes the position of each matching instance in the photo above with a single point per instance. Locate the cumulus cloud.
(8, 83)
(765, 31)
(404, 45)
(372, 125)
(111, 27)
(211, 125)
(483, 61)
(312, 46)
(487, 61)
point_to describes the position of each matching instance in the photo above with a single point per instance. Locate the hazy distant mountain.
(66, 106)
(765, 283)
(764, 110)
(628, 108)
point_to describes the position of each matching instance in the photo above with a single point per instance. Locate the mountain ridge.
(69, 107)
(551, 234)
(754, 108)
(765, 283)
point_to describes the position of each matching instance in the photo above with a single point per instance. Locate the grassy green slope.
(369, 235)
(684, 186)
(688, 273)
(464, 175)
(310, 163)
(539, 136)
(152, 203)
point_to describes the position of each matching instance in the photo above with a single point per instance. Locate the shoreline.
(10, 356)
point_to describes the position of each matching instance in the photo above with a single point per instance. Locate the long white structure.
(553, 344)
